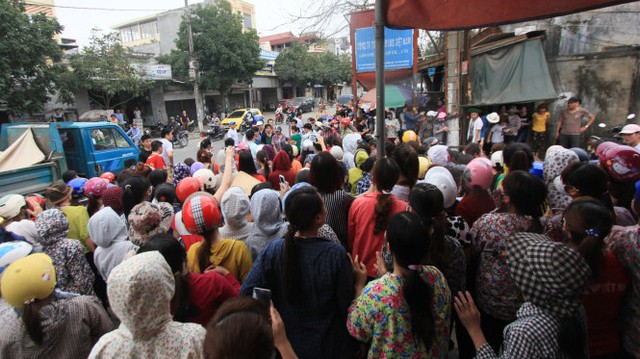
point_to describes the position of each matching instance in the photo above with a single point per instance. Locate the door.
(110, 148)
(72, 146)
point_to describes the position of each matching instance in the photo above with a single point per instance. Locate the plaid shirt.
(364, 183)
(534, 334)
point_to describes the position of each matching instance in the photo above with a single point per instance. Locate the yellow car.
(238, 116)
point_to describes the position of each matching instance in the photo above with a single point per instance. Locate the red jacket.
(207, 293)
(362, 241)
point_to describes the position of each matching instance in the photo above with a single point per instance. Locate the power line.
(90, 8)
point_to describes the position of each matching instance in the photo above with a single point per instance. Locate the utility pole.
(379, 40)
(194, 74)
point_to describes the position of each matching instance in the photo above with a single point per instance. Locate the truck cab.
(89, 148)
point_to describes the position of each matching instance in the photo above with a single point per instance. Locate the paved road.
(180, 154)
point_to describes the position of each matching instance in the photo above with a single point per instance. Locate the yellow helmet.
(409, 136)
(424, 163)
(28, 278)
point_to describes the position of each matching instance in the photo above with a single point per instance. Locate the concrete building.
(155, 35)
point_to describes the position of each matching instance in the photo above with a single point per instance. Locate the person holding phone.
(310, 278)
(282, 168)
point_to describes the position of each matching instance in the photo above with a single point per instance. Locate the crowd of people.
(359, 255)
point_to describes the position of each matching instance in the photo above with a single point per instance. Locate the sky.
(271, 15)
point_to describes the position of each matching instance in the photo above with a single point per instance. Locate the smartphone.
(263, 295)
(283, 181)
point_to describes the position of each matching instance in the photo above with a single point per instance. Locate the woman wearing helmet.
(477, 179)
(51, 324)
(59, 196)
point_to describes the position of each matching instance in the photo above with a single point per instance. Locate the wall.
(168, 26)
(607, 83)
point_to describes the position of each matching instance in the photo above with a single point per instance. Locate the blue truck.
(89, 148)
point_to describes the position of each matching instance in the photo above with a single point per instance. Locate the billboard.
(398, 49)
(158, 72)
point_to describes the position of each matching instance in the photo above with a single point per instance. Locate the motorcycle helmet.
(497, 159)
(28, 278)
(209, 182)
(195, 167)
(108, 176)
(77, 186)
(621, 162)
(478, 173)
(423, 165)
(10, 205)
(582, 154)
(334, 122)
(200, 213)
(443, 179)
(188, 186)
(409, 136)
(95, 186)
(12, 251)
(346, 121)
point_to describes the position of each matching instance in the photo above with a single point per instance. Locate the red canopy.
(469, 14)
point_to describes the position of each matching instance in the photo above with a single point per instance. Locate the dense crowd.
(402, 256)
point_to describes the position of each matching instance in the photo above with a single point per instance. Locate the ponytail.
(33, 322)
(419, 296)
(180, 301)
(572, 337)
(204, 252)
(383, 207)
(93, 206)
(292, 275)
(134, 191)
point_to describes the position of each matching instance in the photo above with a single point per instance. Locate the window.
(121, 141)
(247, 21)
(102, 139)
(149, 29)
(68, 140)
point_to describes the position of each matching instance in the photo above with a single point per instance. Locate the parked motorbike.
(180, 138)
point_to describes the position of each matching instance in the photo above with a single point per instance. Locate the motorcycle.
(180, 138)
(215, 132)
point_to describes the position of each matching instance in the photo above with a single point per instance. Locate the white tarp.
(24, 152)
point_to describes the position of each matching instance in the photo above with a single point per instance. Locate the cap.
(497, 159)
(10, 205)
(279, 129)
(630, 129)
(232, 123)
(259, 123)
(28, 278)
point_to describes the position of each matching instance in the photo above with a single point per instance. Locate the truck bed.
(30, 179)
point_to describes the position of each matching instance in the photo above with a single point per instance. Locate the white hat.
(493, 117)
(432, 114)
(497, 158)
(307, 145)
(630, 129)
(10, 205)
(259, 123)
(442, 178)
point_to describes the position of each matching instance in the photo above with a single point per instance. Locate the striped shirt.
(337, 205)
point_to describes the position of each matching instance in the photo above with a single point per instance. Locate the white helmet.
(210, 182)
(10, 205)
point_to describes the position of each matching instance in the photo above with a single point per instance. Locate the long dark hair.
(385, 174)
(175, 256)
(527, 194)
(263, 157)
(301, 208)
(407, 159)
(246, 164)
(134, 191)
(572, 337)
(589, 223)
(518, 156)
(427, 201)
(325, 174)
(409, 249)
(33, 322)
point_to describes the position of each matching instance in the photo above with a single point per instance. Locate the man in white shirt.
(232, 133)
(167, 147)
(475, 125)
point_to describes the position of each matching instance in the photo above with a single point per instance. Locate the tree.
(294, 64)
(225, 54)
(29, 71)
(333, 69)
(327, 16)
(104, 69)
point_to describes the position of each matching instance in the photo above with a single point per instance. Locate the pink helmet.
(621, 162)
(95, 186)
(479, 173)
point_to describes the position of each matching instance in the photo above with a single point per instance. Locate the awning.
(512, 74)
(470, 14)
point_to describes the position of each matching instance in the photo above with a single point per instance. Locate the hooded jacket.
(350, 145)
(109, 234)
(355, 174)
(140, 290)
(267, 219)
(73, 273)
(70, 326)
(235, 208)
